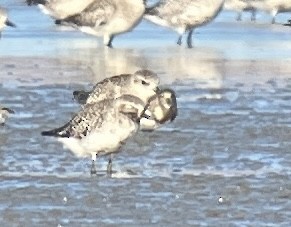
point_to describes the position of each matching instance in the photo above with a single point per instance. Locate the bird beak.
(174, 113)
(145, 116)
(9, 23)
(174, 108)
(80, 96)
(143, 113)
(157, 90)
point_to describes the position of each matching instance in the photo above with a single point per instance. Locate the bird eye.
(144, 82)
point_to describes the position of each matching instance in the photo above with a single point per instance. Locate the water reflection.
(172, 64)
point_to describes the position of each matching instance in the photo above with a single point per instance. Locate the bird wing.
(88, 119)
(166, 9)
(107, 89)
(185, 12)
(96, 14)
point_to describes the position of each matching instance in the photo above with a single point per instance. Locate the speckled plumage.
(143, 84)
(101, 128)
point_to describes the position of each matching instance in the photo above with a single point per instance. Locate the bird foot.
(93, 170)
(109, 168)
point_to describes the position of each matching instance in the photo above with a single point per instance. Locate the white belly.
(106, 140)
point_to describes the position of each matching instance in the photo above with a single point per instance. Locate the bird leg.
(273, 20)
(109, 43)
(253, 18)
(109, 165)
(93, 170)
(274, 13)
(179, 42)
(189, 38)
(238, 17)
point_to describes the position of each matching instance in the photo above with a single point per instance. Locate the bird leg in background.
(189, 38)
(179, 42)
(253, 18)
(238, 17)
(273, 20)
(274, 13)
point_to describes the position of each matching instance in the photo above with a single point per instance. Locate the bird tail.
(57, 132)
(9, 23)
(152, 11)
(36, 2)
(81, 96)
(153, 15)
(73, 20)
(288, 23)
(58, 22)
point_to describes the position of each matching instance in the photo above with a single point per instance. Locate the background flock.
(109, 18)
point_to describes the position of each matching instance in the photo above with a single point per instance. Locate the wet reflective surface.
(225, 161)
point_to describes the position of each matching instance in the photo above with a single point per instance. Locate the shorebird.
(4, 114)
(101, 128)
(60, 9)
(161, 105)
(143, 84)
(160, 109)
(4, 21)
(240, 6)
(184, 15)
(107, 18)
(273, 7)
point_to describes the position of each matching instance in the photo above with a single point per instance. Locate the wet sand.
(225, 161)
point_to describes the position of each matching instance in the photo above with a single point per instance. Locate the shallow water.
(225, 161)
